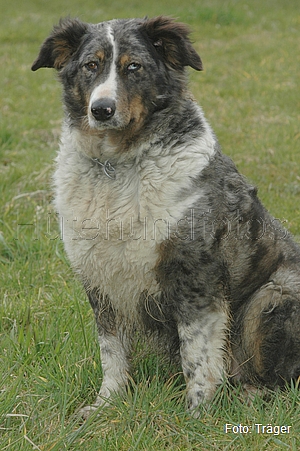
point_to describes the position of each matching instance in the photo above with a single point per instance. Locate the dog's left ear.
(171, 41)
(58, 48)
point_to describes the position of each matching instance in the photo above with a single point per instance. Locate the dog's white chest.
(112, 229)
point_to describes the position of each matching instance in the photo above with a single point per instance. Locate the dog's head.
(118, 73)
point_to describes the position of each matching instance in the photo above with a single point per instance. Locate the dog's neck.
(107, 168)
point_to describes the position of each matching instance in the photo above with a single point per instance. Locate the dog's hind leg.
(202, 343)
(266, 334)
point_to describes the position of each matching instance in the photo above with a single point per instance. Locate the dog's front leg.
(202, 343)
(114, 349)
(115, 370)
(115, 365)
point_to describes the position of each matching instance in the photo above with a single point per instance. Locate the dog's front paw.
(195, 397)
(86, 411)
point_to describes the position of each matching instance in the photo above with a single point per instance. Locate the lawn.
(49, 360)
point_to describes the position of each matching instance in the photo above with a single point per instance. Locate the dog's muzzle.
(103, 109)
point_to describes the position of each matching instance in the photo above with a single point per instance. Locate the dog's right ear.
(58, 48)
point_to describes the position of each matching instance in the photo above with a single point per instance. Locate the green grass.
(49, 362)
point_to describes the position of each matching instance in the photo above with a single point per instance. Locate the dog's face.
(116, 74)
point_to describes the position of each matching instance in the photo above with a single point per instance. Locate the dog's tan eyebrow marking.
(125, 59)
(100, 55)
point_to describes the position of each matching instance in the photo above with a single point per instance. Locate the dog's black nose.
(103, 109)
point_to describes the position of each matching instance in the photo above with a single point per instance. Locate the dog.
(169, 240)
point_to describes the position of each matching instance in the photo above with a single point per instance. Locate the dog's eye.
(133, 67)
(92, 66)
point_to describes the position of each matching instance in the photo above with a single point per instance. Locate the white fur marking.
(109, 87)
(100, 220)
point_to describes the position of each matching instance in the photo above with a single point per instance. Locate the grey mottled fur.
(177, 245)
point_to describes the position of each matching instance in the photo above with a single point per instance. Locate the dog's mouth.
(112, 124)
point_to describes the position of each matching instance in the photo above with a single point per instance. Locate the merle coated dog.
(169, 240)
